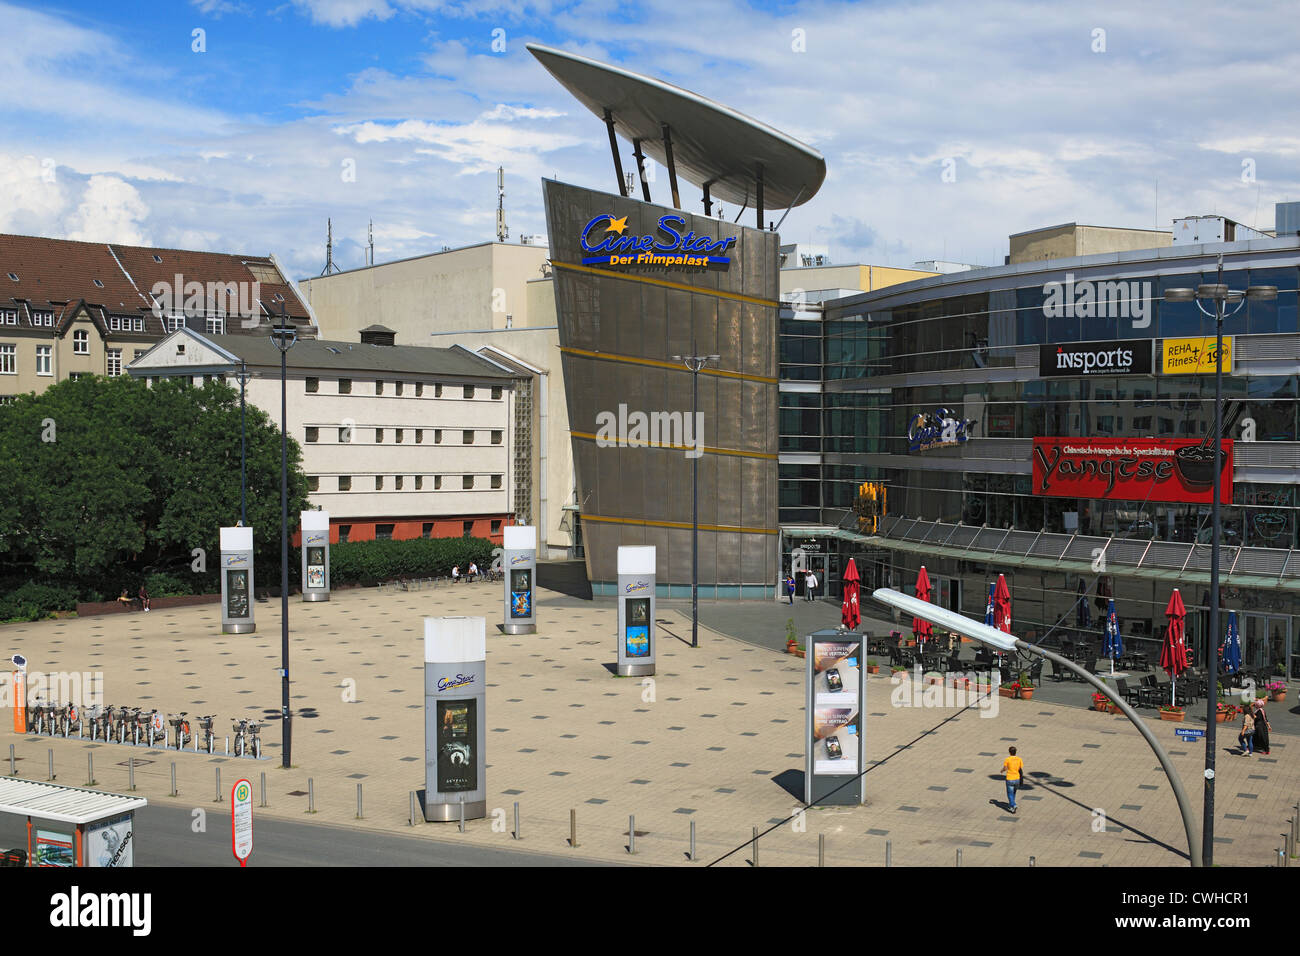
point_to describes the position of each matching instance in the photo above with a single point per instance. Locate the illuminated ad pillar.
(520, 563)
(636, 610)
(836, 693)
(315, 555)
(455, 716)
(237, 581)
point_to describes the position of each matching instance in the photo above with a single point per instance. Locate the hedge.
(33, 601)
(369, 562)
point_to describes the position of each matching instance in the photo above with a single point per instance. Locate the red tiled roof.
(62, 271)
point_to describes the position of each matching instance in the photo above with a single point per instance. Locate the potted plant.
(1099, 702)
(1226, 713)
(873, 667)
(933, 677)
(1169, 712)
(1026, 687)
(1276, 690)
(897, 672)
(1009, 690)
(791, 636)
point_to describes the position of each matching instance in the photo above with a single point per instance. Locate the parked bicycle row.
(142, 727)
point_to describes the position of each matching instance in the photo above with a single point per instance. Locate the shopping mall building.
(1027, 420)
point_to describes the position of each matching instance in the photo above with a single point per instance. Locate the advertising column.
(455, 682)
(636, 610)
(836, 693)
(237, 581)
(520, 562)
(315, 555)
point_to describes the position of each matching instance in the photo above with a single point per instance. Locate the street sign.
(1189, 733)
(241, 820)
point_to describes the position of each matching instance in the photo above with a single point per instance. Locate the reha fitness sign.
(1130, 469)
(604, 236)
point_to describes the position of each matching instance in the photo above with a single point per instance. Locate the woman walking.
(1246, 738)
(1262, 728)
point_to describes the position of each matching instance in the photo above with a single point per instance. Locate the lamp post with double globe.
(284, 336)
(1221, 296)
(693, 365)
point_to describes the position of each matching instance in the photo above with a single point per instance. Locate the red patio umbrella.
(850, 613)
(920, 626)
(1173, 653)
(1002, 605)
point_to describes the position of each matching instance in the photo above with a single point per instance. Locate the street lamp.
(977, 630)
(693, 365)
(284, 336)
(243, 447)
(1221, 296)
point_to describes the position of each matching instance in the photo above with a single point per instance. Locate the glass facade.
(959, 344)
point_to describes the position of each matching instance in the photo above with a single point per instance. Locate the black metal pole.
(284, 557)
(243, 448)
(613, 148)
(695, 511)
(1212, 639)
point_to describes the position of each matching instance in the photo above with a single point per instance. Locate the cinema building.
(1050, 420)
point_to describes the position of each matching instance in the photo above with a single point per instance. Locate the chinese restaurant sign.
(1194, 356)
(1129, 469)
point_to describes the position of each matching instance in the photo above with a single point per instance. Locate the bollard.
(692, 854)
(90, 770)
(517, 820)
(412, 808)
(1281, 858)
(821, 849)
(889, 853)
(130, 770)
(631, 834)
(1033, 861)
(12, 771)
(263, 788)
(227, 745)
(173, 778)
(360, 816)
(959, 857)
(51, 765)
(311, 795)
(753, 845)
(462, 813)
(218, 799)
(573, 828)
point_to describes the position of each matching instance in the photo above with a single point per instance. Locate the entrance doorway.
(1266, 642)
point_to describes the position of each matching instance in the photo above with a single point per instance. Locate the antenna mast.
(370, 236)
(329, 249)
(502, 232)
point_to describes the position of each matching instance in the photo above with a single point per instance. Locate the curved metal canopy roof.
(711, 144)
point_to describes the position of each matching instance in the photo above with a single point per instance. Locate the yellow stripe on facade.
(666, 284)
(660, 363)
(663, 444)
(685, 525)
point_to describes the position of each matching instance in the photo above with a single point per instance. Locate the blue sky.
(119, 130)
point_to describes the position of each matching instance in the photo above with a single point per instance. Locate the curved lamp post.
(693, 365)
(981, 632)
(284, 336)
(1221, 296)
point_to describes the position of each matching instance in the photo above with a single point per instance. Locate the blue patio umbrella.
(1114, 642)
(1082, 613)
(1231, 648)
(988, 611)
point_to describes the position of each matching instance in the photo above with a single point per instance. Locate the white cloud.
(344, 13)
(110, 211)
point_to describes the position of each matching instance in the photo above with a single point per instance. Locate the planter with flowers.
(898, 673)
(1008, 690)
(933, 677)
(1276, 690)
(1025, 688)
(1226, 713)
(873, 667)
(1171, 713)
(1099, 702)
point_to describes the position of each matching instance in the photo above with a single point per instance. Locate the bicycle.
(239, 728)
(255, 738)
(209, 739)
(181, 729)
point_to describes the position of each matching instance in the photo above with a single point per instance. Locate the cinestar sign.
(671, 247)
(1095, 358)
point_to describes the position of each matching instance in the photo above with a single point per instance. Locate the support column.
(640, 169)
(613, 148)
(708, 203)
(672, 167)
(758, 208)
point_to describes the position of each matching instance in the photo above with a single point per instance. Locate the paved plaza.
(716, 739)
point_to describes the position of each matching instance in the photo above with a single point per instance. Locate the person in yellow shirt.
(1013, 767)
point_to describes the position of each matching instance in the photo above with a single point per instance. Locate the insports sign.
(608, 243)
(1095, 358)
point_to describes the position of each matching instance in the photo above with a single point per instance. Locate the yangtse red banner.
(1130, 469)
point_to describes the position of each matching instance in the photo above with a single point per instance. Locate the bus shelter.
(70, 826)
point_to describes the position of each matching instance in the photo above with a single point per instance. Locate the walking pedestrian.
(1012, 768)
(789, 587)
(1262, 727)
(811, 585)
(1246, 738)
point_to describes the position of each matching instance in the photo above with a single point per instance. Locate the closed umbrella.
(1002, 605)
(1114, 642)
(850, 612)
(1083, 613)
(1173, 653)
(988, 611)
(1231, 647)
(920, 626)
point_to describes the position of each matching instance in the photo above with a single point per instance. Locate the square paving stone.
(1248, 796)
(409, 759)
(1147, 786)
(1092, 746)
(513, 793)
(875, 832)
(679, 764)
(1234, 816)
(601, 757)
(357, 776)
(1130, 806)
(724, 790)
(641, 782)
(962, 770)
(910, 809)
(1074, 761)
(684, 810)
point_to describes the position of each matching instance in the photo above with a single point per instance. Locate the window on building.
(113, 362)
(383, 532)
(345, 483)
(469, 391)
(43, 318)
(496, 527)
(9, 359)
(496, 481)
(399, 435)
(437, 436)
(379, 436)
(426, 530)
(437, 391)
(379, 482)
(81, 342)
(419, 436)
(496, 392)
(114, 323)
(139, 352)
(174, 323)
(467, 482)
(73, 376)
(419, 389)
(98, 283)
(397, 389)
(379, 387)
(398, 481)
(216, 325)
(7, 399)
(419, 482)
(137, 323)
(344, 531)
(467, 437)
(345, 435)
(313, 385)
(345, 386)
(496, 437)
(467, 528)
(9, 316)
(313, 483)
(45, 360)
(313, 433)
(437, 482)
